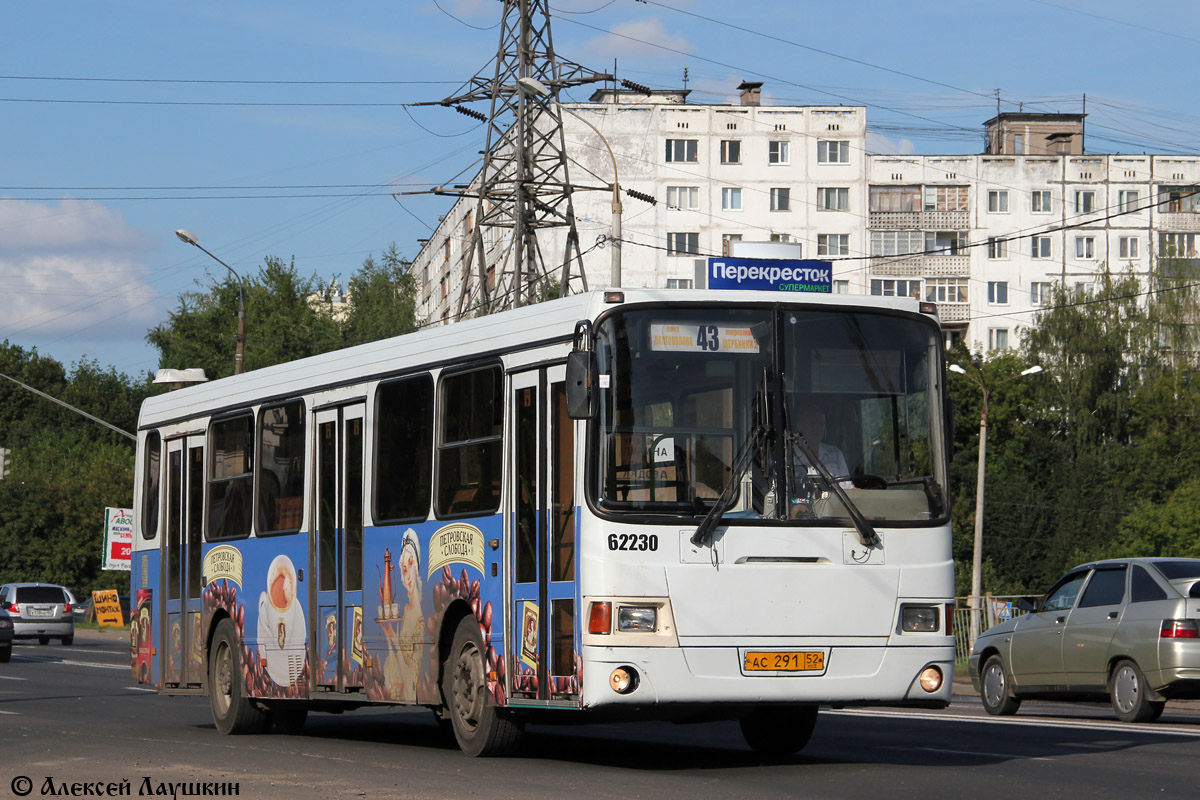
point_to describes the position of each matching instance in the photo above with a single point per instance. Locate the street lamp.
(977, 552)
(534, 87)
(238, 357)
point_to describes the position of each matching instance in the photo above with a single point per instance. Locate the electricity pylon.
(523, 185)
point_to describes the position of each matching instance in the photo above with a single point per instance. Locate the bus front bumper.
(849, 676)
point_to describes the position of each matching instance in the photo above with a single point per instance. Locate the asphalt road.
(72, 722)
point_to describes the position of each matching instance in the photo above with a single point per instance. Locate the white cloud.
(73, 270)
(643, 38)
(878, 143)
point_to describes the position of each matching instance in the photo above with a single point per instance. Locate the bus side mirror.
(583, 397)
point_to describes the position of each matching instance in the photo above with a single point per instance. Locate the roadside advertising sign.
(107, 606)
(118, 538)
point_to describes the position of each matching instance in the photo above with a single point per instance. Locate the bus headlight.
(637, 618)
(623, 680)
(931, 679)
(919, 619)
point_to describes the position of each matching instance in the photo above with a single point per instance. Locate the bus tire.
(777, 731)
(480, 728)
(232, 711)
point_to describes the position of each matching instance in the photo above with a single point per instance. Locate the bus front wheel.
(232, 711)
(480, 728)
(779, 731)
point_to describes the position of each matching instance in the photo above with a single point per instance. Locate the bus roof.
(529, 326)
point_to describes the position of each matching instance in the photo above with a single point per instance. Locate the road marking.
(970, 753)
(51, 660)
(11, 678)
(139, 689)
(1161, 729)
(11, 713)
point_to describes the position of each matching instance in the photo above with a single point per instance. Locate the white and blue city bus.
(601, 507)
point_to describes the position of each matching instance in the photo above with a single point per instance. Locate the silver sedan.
(1125, 629)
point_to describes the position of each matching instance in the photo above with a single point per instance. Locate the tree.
(287, 317)
(382, 297)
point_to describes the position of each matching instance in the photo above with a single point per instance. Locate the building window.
(731, 199)
(945, 243)
(684, 197)
(1085, 247)
(781, 199)
(783, 237)
(997, 248)
(683, 244)
(1179, 199)
(833, 244)
(731, 151)
(998, 293)
(897, 243)
(1177, 245)
(1128, 246)
(1127, 200)
(998, 202)
(1019, 144)
(1085, 202)
(833, 152)
(833, 199)
(946, 198)
(1040, 201)
(946, 290)
(997, 339)
(446, 252)
(1039, 293)
(777, 152)
(888, 287)
(726, 239)
(1041, 247)
(895, 198)
(841, 287)
(1085, 288)
(683, 151)
(679, 283)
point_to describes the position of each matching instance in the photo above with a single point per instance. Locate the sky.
(287, 128)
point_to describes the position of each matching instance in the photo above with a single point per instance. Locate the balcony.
(932, 266)
(1178, 221)
(918, 220)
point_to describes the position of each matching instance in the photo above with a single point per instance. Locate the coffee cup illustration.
(281, 627)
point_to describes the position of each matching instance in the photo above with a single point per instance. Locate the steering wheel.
(867, 481)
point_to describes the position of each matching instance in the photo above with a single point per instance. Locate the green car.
(1124, 629)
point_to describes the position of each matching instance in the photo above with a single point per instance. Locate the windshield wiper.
(866, 532)
(754, 442)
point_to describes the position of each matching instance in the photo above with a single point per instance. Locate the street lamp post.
(532, 86)
(240, 351)
(975, 601)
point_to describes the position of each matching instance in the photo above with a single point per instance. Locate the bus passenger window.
(231, 479)
(281, 468)
(150, 485)
(469, 445)
(404, 449)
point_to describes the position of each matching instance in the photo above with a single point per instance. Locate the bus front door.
(337, 548)
(183, 664)
(543, 648)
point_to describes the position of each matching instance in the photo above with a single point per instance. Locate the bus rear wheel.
(480, 728)
(232, 711)
(779, 731)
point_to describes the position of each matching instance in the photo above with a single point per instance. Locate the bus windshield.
(684, 390)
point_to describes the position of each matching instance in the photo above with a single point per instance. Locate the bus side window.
(404, 449)
(151, 482)
(281, 468)
(230, 478)
(469, 445)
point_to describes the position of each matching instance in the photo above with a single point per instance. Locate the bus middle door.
(338, 549)
(543, 644)
(184, 662)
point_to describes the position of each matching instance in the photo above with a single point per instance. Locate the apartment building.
(986, 236)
